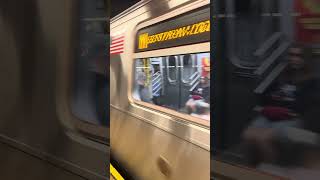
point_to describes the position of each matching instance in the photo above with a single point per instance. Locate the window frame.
(175, 51)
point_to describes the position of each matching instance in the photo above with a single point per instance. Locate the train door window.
(162, 81)
(188, 67)
(172, 72)
(90, 88)
(253, 33)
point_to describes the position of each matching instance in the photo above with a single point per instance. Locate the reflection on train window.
(180, 82)
(257, 21)
(90, 90)
(271, 111)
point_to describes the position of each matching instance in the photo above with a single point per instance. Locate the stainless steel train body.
(152, 142)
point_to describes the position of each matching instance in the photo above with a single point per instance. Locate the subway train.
(160, 90)
(55, 119)
(52, 126)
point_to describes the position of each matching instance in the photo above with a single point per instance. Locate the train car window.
(269, 112)
(257, 21)
(172, 68)
(90, 89)
(162, 81)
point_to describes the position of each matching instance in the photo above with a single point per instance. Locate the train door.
(188, 76)
(179, 72)
(165, 78)
(172, 82)
(183, 74)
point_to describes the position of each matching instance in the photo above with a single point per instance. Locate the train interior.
(175, 76)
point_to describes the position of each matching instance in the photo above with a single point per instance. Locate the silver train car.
(41, 135)
(159, 55)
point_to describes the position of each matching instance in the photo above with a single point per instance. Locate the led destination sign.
(145, 39)
(187, 29)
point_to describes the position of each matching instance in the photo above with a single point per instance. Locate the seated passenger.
(294, 152)
(204, 89)
(143, 90)
(300, 69)
(290, 83)
(273, 121)
(267, 141)
(202, 110)
(191, 103)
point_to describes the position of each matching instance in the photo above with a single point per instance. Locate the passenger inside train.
(283, 105)
(287, 147)
(284, 134)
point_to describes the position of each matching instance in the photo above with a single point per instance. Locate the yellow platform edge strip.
(115, 173)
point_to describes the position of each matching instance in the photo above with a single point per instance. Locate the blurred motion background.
(43, 134)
